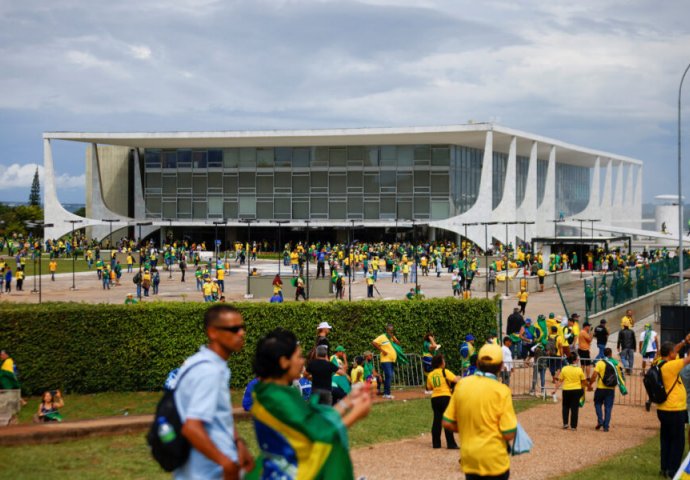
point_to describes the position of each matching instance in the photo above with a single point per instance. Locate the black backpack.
(171, 455)
(654, 384)
(610, 378)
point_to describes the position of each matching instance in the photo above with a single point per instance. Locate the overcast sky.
(602, 74)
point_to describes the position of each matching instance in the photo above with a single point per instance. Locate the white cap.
(324, 325)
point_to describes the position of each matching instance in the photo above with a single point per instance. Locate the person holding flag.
(391, 352)
(299, 439)
(648, 346)
(466, 351)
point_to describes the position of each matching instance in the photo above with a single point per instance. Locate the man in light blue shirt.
(202, 398)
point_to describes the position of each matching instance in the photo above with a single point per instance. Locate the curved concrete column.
(54, 212)
(606, 204)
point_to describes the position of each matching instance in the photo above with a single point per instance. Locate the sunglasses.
(233, 329)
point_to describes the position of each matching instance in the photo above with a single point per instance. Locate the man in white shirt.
(648, 345)
(507, 360)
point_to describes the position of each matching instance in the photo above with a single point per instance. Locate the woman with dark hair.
(298, 439)
(573, 381)
(441, 382)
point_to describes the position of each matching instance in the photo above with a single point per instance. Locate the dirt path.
(415, 459)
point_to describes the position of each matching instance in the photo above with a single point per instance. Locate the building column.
(607, 198)
(617, 206)
(484, 199)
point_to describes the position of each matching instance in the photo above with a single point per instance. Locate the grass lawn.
(637, 463)
(85, 406)
(127, 456)
(64, 266)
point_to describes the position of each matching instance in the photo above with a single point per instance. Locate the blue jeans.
(387, 368)
(516, 350)
(628, 358)
(604, 397)
(601, 347)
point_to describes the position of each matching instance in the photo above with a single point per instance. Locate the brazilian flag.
(298, 440)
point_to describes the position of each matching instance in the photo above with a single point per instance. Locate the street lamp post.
(170, 220)
(592, 220)
(680, 198)
(351, 259)
(248, 221)
(40, 250)
(468, 225)
(414, 256)
(216, 242)
(74, 252)
(280, 247)
(110, 235)
(32, 225)
(524, 233)
(486, 254)
(582, 240)
(141, 224)
(506, 250)
(307, 222)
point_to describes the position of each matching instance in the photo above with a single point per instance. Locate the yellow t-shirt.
(294, 257)
(357, 374)
(572, 377)
(208, 288)
(52, 265)
(483, 410)
(386, 345)
(220, 274)
(8, 365)
(626, 320)
(676, 401)
(600, 368)
(438, 384)
(522, 296)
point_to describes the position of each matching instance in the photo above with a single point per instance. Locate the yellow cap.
(490, 353)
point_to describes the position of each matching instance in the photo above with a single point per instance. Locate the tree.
(35, 195)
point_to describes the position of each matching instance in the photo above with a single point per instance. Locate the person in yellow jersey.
(481, 411)
(389, 355)
(627, 320)
(441, 382)
(541, 275)
(672, 413)
(220, 277)
(20, 279)
(207, 288)
(607, 380)
(52, 266)
(522, 300)
(573, 381)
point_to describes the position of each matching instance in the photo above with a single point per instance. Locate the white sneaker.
(388, 397)
(428, 392)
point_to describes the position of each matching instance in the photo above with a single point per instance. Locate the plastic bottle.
(166, 432)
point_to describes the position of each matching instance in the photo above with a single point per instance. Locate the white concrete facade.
(618, 205)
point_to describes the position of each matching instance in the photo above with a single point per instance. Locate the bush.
(93, 348)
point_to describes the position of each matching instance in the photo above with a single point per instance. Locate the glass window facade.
(572, 189)
(467, 177)
(500, 168)
(521, 184)
(542, 170)
(340, 183)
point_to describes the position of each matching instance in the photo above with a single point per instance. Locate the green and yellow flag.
(298, 440)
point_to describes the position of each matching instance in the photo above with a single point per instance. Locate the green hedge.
(94, 348)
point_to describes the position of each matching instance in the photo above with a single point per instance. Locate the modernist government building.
(380, 181)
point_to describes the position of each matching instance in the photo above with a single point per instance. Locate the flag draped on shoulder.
(401, 357)
(299, 440)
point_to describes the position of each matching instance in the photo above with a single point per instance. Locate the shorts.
(584, 357)
(541, 280)
(649, 356)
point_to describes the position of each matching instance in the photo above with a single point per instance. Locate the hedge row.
(93, 348)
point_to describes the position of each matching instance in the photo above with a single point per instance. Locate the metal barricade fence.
(408, 375)
(538, 380)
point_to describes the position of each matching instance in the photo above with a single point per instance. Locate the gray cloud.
(598, 73)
